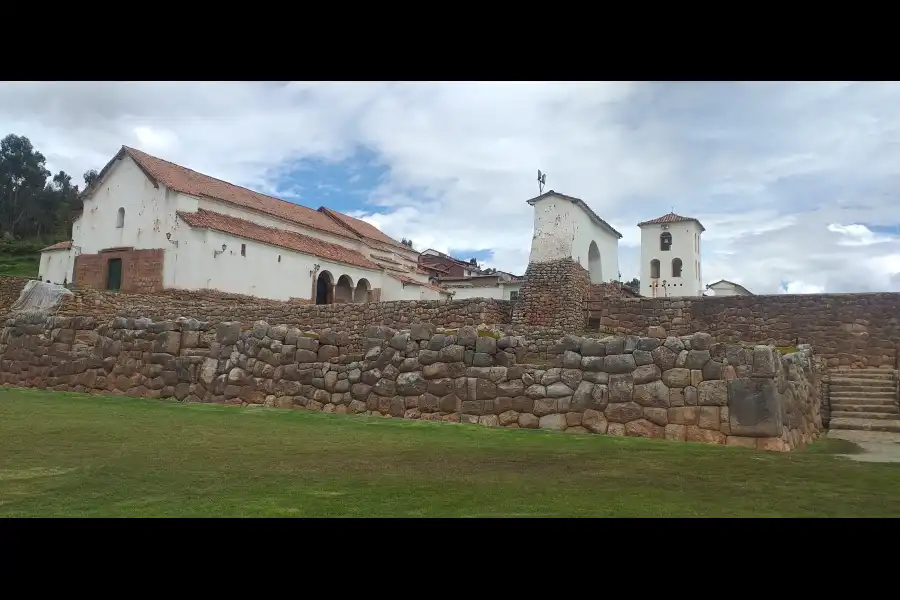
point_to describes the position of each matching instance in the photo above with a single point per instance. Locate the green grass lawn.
(76, 455)
(19, 266)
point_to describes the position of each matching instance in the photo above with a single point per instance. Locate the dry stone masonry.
(686, 388)
(848, 330)
(553, 295)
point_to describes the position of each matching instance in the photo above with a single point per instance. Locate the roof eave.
(581, 204)
(374, 267)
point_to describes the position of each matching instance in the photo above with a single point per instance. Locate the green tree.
(22, 182)
(31, 206)
(90, 177)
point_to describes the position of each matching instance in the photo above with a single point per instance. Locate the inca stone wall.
(684, 389)
(10, 289)
(217, 307)
(553, 295)
(850, 330)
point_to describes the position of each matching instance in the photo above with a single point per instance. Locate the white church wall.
(562, 229)
(394, 289)
(686, 246)
(257, 272)
(148, 212)
(126, 211)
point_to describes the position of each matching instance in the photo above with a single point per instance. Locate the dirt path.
(879, 446)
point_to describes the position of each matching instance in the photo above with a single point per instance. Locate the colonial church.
(149, 224)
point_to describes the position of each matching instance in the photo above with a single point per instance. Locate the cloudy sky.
(794, 182)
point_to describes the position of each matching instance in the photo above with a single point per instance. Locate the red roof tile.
(385, 259)
(59, 246)
(363, 229)
(187, 181)
(410, 281)
(670, 218)
(206, 219)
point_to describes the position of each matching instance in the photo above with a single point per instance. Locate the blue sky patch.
(342, 186)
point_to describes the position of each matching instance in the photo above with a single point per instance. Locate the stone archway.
(362, 292)
(595, 264)
(325, 288)
(343, 291)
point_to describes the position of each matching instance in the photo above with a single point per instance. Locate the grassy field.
(19, 266)
(75, 455)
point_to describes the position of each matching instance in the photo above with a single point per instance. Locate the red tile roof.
(671, 218)
(206, 219)
(410, 281)
(187, 181)
(363, 229)
(436, 267)
(59, 246)
(385, 259)
(439, 254)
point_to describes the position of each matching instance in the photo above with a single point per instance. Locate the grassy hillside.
(22, 257)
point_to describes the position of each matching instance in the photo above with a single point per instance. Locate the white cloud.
(801, 287)
(857, 235)
(772, 170)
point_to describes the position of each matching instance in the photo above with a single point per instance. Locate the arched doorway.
(595, 266)
(363, 289)
(343, 291)
(325, 288)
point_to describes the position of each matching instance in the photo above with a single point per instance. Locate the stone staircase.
(863, 399)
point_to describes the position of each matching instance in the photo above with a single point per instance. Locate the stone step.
(862, 372)
(865, 424)
(867, 383)
(862, 378)
(840, 414)
(841, 393)
(888, 389)
(857, 401)
(868, 408)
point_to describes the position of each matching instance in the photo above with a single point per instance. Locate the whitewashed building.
(566, 227)
(670, 257)
(723, 287)
(149, 224)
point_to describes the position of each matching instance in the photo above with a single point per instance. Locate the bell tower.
(670, 257)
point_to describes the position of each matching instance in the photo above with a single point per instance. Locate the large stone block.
(754, 408)
(619, 363)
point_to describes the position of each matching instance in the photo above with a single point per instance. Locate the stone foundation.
(553, 295)
(681, 389)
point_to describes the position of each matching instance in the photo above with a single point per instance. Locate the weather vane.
(542, 180)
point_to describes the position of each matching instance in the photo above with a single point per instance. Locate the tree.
(634, 284)
(22, 180)
(90, 177)
(30, 205)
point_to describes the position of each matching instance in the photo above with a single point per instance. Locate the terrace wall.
(684, 389)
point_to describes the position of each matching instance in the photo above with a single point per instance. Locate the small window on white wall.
(514, 296)
(120, 218)
(243, 249)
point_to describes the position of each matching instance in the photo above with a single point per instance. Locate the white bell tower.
(670, 257)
